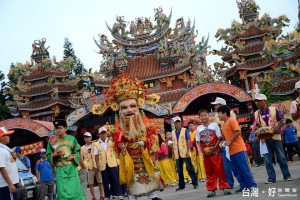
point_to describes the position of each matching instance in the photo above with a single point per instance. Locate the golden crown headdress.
(124, 88)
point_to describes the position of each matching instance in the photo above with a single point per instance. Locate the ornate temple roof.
(39, 84)
(149, 49)
(285, 88)
(41, 73)
(45, 89)
(172, 96)
(43, 104)
(246, 40)
(250, 65)
(148, 68)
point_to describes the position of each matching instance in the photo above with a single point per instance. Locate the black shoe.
(178, 189)
(156, 198)
(239, 191)
(195, 186)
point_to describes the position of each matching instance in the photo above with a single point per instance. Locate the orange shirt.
(228, 130)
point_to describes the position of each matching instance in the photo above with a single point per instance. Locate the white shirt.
(88, 148)
(212, 126)
(103, 144)
(7, 162)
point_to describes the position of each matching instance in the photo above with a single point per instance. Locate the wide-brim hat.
(4, 131)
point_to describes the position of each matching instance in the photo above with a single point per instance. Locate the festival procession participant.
(270, 117)
(295, 110)
(64, 152)
(106, 161)
(44, 175)
(24, 159)
(208, 138)
(181, 152)
(231, 132)
(93, 172)
(291, 140)
(13, 153)
(196, 156)
(256, 149)
(192, 133)
(164, 163)
(82, 173)
(135, 138)
(227, 165)
(169, 144)
(9, 178)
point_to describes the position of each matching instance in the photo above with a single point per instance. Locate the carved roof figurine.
(248, 10)
(43, 87)
(245, 41)
(152, 50)
(39, 51)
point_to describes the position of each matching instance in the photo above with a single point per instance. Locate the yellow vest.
(263, 123)
(87, 157)
(181, 144)
(295, 103)
(109, 157)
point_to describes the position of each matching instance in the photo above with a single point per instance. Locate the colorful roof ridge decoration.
(151, 50)
(282, 47)
(224, 88)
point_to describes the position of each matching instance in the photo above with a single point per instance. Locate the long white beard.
(136, 129)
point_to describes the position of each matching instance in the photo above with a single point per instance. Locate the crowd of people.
(134, 161)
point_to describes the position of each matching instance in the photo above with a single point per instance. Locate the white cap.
(260, 97)
(88, 134)
(297, 85)
(176, 119)
(102, 129)
(219, 101)
(42, 151)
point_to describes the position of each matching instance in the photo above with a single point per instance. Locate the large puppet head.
(127, 95)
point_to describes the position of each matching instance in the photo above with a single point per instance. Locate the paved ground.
(279, 190)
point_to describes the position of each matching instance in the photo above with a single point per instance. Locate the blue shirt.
(253, 136)
(25, 160)
(290, 134)
(187, 134)
(45, 168)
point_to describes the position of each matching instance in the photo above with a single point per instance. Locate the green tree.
(4, 110)
(78, 67)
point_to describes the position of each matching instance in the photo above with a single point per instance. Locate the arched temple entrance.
(202, 95)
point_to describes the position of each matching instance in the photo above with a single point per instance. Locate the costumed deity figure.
(135, 137)
(64, 153)
(169, 144)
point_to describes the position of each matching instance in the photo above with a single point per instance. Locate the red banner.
(32, 148)
(159, 123)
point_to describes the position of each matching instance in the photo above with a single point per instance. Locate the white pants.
(150, 196)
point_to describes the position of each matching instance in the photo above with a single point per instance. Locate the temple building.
(44, 88)
(284, 55)
(168, 60)
(245, 43)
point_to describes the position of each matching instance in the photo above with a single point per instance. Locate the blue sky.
(23, 21)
